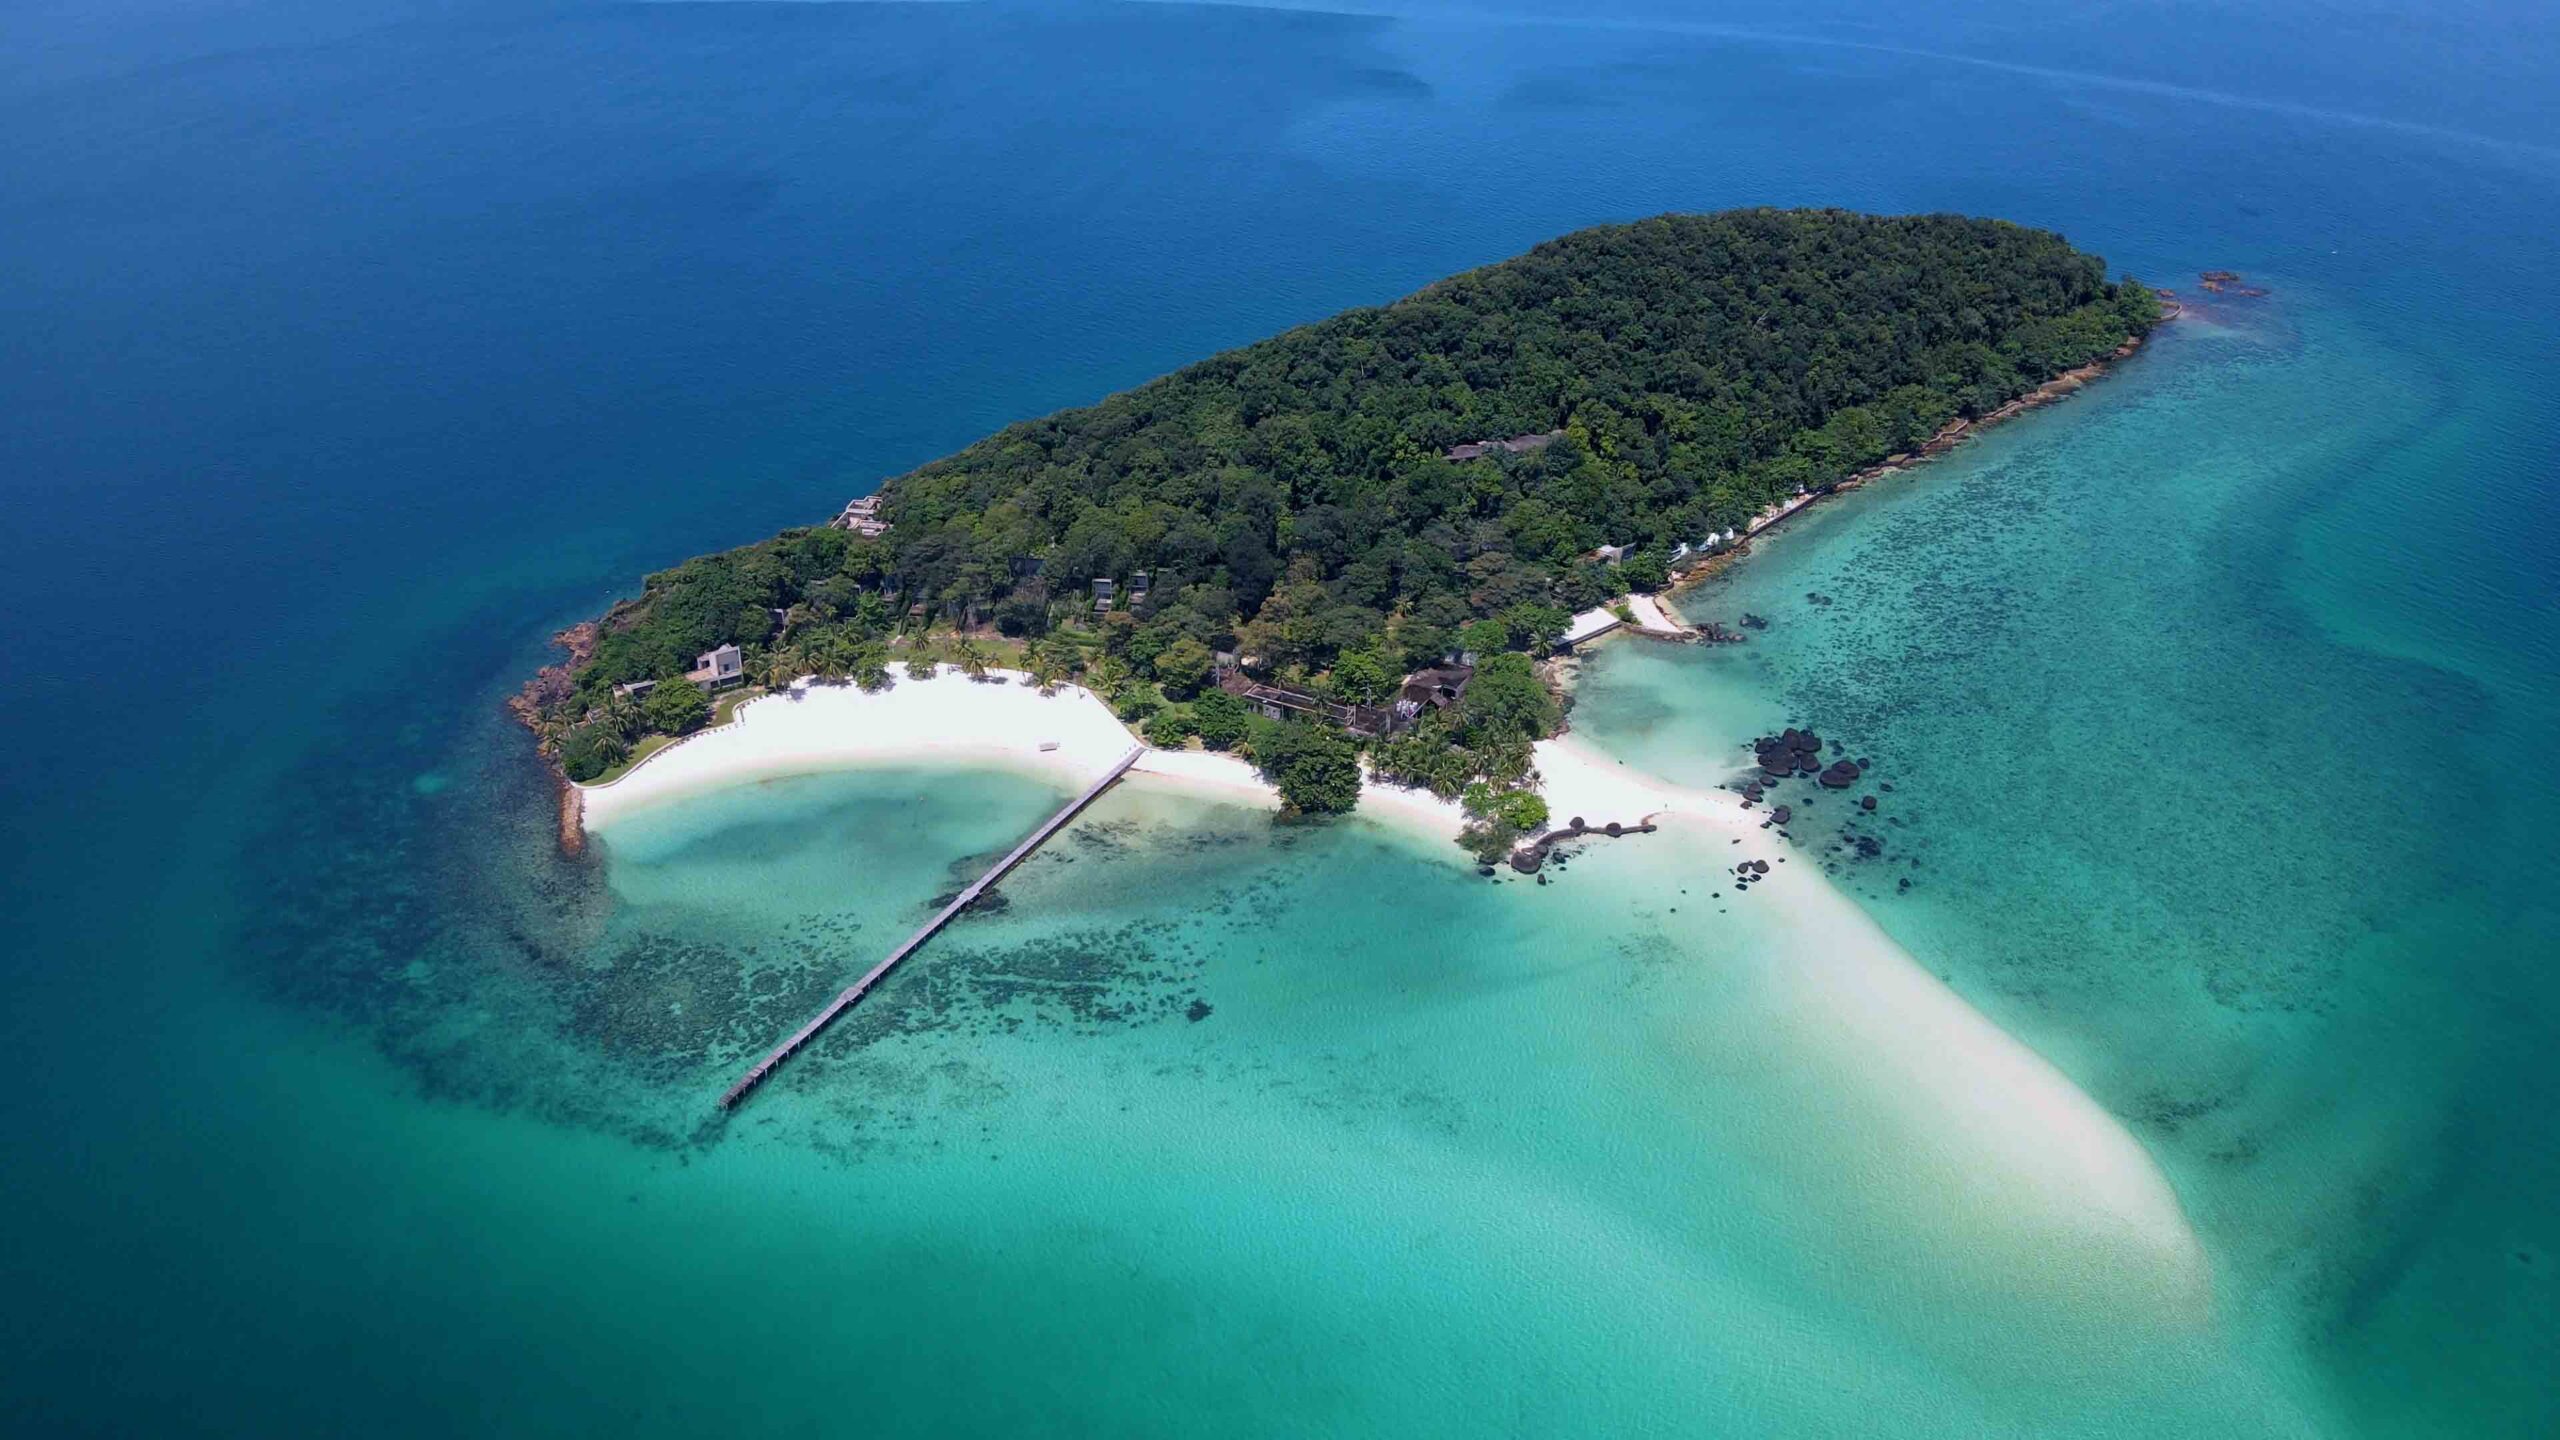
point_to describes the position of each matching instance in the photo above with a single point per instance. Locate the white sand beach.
(1602, 620)
(812, 728)
(1651, 616)
(1069, 735)
(2034, 1160)
(2008, 1152)
(1982, 1143)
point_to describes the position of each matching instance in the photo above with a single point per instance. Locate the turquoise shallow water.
(2162, 804)
(350, 348)
(1376, 1151)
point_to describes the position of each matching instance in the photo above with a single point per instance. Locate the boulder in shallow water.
(1840, 776)
(1783, 814)
(1866, 802)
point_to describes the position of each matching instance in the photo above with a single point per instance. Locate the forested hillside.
(1292, 499)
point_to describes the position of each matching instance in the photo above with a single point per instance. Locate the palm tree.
(1040, 658)
(1508, 762)
(871, 667)
(612, 749)
(1106, 676)
(971, 657)
(620, 712)
(551, 730)
(831, 654)
(782, 665)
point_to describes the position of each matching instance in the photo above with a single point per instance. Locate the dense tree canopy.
(1294, 501)
(1699, 366)
(1219, 720)
(676, 709)
(1315, 768)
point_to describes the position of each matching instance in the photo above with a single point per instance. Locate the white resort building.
(715, 668)
(862, 517)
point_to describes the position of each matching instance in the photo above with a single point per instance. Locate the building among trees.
(718, 667)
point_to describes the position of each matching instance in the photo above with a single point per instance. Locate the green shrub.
(676, 707)
(1644, 572)
(1218, 718)
(591, 750)
(1168, 729)
(1522, 810)
(1316, 767)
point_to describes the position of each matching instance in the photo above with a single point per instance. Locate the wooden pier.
(846, 997)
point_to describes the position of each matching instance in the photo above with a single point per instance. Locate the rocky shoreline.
(1949, 436)
(550, 683)
(573, 814)
(1795, 753)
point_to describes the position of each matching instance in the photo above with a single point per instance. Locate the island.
(1346, 555)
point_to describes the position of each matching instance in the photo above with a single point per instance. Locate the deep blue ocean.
(349, 350)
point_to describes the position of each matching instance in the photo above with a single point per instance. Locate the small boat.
(1048, 745)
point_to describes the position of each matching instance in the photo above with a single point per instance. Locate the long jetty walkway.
(846, 997)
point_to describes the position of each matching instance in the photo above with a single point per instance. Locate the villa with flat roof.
(715, 668)
(862, 517)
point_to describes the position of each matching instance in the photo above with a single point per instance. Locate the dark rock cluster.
(1531, 857)
(1796, 754)
(1789, 752)
(2228, 282)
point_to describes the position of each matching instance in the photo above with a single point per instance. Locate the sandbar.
(1985, 1115)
